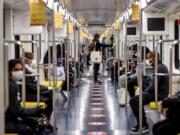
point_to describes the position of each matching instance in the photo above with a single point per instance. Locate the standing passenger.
(97, 47)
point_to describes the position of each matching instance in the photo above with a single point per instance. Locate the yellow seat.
(11, 134)
(153, 105)
(59, 84)
(33, 104)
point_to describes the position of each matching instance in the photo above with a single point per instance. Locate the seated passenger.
(31, 86)
(14, 110)
(149, 94)
(59, 54)
(132, 64)
(132, 80)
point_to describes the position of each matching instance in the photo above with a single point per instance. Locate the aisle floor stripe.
(97, 123)
(98, 116)
(97, 133)
(97, 103)
(97, 109)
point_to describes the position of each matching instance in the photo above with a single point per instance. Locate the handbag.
(60, 73)
(96, 56)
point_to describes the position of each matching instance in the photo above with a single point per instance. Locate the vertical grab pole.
(139, 71)
(24, 76)
(6, 52)
(67, 60)
(54, 66)
(118, 56)
(171, 70)
(79, 55)
(144, 55)
(126, 66)
(114, 73)
(75, 71)
(156, 72)
(38, 73)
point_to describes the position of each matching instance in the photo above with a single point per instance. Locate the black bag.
(38, 124)
(172, 104)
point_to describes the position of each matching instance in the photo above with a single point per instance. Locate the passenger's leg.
(96, 67)
(18, 127)
(49, 103)
(131, 84)
(134, 103)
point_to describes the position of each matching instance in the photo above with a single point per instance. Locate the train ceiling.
(97, 11)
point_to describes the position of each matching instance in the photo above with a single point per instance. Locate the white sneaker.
(136, 131)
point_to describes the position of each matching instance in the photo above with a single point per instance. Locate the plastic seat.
(48, 84)
(33, 104)
(11, 134)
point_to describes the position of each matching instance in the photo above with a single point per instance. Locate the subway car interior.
(90, 67)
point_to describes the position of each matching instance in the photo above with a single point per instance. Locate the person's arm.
(161, 69)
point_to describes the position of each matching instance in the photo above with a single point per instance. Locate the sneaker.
(99, 82)
(135, 127)
(136, 131)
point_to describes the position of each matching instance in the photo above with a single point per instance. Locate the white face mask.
(148, 63)
(17, 75)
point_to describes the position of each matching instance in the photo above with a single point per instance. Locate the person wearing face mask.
(132, 79)
(149, 93)
(14, 110)
(31, 87)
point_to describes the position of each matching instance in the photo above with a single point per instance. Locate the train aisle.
(94, 110)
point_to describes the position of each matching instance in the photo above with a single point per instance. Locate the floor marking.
(97, 133)
(97, 99)
(98, 116)
(97, 109)
(97, 94)
(97, 88)
(97, 91)
(97, 103)
(97, 123)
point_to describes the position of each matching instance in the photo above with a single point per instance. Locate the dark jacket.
(99, 46)
(163, 83)
(14, 109)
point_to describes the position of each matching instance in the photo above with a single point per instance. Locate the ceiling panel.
(96, 11)
(16, 4)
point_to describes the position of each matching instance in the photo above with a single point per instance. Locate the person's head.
(29, 58)
(151, 56)
(15, 69)
(96, 37)
(134, 48)
(133, 64)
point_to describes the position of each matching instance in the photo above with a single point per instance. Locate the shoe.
(51, 128)
(136, 131)
(135, 127)
(99, 82)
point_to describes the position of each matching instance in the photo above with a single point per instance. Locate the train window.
(160, 24)
(177, 61)
(131, 31)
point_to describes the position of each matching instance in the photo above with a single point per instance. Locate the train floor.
(94, 110)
